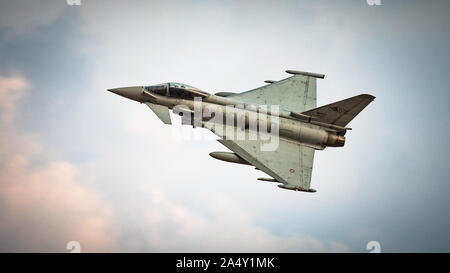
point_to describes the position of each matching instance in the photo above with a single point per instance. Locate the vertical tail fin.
(342, 112)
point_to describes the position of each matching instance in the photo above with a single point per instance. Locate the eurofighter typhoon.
(276, 128)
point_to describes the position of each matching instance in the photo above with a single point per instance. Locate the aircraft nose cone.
(132, 92)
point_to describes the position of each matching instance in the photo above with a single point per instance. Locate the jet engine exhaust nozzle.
(335, 140)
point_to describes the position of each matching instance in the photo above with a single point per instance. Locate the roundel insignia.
(292, 171)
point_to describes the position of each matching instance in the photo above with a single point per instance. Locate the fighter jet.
(285, 109)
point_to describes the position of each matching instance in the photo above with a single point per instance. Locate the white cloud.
(44, 206)
(176, 228)
(229, 46)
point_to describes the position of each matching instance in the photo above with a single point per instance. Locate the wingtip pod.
(294, 188)
(308, 74)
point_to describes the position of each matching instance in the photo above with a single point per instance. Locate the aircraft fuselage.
(289, 127)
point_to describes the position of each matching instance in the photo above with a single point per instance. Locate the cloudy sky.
(78, 163)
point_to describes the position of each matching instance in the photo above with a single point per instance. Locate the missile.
(294, 188)
(229, 157)
(268, 180)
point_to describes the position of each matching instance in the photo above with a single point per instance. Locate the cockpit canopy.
(160, 89)
(176, 90)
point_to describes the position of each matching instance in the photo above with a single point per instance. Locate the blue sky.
(80, 163)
